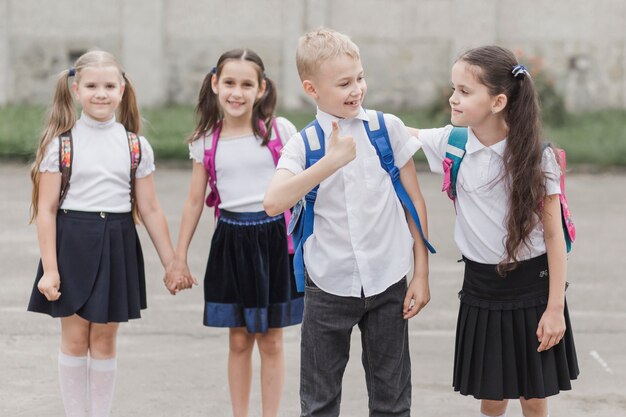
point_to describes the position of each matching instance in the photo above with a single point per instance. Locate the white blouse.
(100, 178)
(243, 167)
(482, 199)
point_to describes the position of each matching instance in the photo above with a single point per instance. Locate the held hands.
(417, 296)
(178, 277)
(551, 328)
(342, 149)
(49, 285)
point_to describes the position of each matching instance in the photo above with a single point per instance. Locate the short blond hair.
(319, 45)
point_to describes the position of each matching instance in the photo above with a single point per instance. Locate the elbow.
(271, 206)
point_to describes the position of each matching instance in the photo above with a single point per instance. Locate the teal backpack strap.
(455, 152)
(301, 224)
(379, 138)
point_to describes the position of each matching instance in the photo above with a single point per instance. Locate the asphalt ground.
(169, 364)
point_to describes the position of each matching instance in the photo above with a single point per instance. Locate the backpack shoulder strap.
(303, 213)
(66, 158)
(275, 144)
(379, 137)
(213, 199)
(134, 147)
(455, 152)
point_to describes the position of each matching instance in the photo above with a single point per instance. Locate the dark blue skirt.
(249, 277)
(101, 267)
(496, 343)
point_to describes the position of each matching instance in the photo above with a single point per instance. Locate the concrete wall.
(407, 46)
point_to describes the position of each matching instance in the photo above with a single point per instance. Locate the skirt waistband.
(93, 214)
(247, 218)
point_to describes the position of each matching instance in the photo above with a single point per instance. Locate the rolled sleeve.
(552, 171)
(402, 144)
(292, 157)
(50, 161)
(196, 150)
(433, 143)
(146, 165)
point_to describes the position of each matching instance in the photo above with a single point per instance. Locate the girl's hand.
(551, 328)
(178, 277)
(341, 148)
(417, 296)
(49, 285)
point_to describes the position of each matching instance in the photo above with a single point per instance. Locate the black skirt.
(249, 277)
(496, 343)
(101, 267)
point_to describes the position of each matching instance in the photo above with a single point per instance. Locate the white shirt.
(100, 178)
(361, 238)
(482, 200)
(243, 167)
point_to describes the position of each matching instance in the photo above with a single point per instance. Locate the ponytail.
(129, 115)
(61, 118)
(207, 110)
(263, 111)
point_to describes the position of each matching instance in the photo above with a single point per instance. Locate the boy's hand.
(49, 285)
(342, 149)
(417, 296)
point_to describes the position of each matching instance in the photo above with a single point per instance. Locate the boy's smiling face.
(338, 87)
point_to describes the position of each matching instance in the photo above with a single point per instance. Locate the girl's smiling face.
(99, 90)
(470, 102)
(238, 88)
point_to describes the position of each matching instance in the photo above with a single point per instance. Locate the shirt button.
(103, 214)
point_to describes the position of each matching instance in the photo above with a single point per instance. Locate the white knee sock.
(101, 384)
(485, 415)
(73, 383)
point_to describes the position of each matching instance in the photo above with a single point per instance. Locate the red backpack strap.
(213, 199)
(134, 148)
(65, 163)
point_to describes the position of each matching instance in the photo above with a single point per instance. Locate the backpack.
(66, 157)
(455, 152)
(275, 145)
(301, 226)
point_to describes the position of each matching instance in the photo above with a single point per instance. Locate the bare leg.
(536, 407)
(272, 370)
(493, 408)
(241, 344)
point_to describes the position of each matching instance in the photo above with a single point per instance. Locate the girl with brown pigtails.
(92, 177)
(514, 338)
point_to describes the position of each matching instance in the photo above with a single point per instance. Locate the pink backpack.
(275, 145)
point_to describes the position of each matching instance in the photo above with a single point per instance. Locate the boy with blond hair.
(359, 253)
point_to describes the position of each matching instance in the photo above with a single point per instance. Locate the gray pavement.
(170, 365)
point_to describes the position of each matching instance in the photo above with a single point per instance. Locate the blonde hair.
(320, 45)
(62, 113)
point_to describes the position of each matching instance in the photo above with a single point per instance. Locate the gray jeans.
(325, 348)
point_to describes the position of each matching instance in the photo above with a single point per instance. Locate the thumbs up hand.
(342, 149)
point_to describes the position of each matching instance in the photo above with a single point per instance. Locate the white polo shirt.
(482, 202)
(360, 238)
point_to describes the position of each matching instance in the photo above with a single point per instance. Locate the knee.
(75, 346)
(493, 408)
(270, 344)
(536, 407)
(241, 343)
(102, 343)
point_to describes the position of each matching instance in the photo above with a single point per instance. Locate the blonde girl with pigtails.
(92, 178)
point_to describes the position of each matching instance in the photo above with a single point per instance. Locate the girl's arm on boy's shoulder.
(552, 324)
(287, 188)
(418, 291)
(153, 218)
(48, 202)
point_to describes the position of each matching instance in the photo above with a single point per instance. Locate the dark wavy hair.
(522, 157)
(208, 110)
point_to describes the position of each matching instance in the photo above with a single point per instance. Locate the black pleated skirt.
(249, 277)
(101, 267)
(496, 343)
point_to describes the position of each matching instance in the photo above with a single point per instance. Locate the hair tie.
(71, 72)
(520, 71)
(213, 70)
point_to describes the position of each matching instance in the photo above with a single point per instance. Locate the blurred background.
(575, 49)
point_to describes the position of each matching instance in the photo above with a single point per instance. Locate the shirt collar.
(93, 123)
(326, 119)
(474, 145)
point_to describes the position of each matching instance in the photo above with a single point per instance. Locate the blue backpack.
(301, 225)
(454, 155)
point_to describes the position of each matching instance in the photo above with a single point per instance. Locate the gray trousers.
(325, 348)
